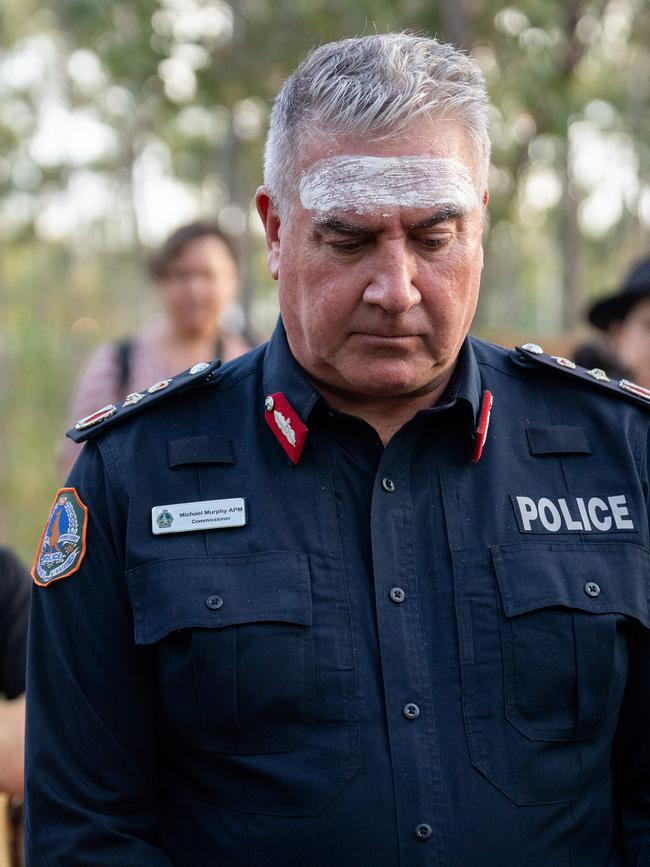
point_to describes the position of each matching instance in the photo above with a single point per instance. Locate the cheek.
(226, 289)
(452, 288)
(314, 320)
(174, 300)
(214, 299)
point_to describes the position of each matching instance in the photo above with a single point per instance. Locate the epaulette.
(137, 401)
(595, 376)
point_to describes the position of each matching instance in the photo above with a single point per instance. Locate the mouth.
(381, 337)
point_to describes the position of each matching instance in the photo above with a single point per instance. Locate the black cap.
(616, 307)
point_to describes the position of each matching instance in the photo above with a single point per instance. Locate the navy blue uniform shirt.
(402, 658)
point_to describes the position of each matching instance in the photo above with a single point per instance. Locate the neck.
(385, 414)
(178, 337)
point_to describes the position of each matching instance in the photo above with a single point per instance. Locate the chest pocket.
(561, 659)
(234, 647)
(557, 645)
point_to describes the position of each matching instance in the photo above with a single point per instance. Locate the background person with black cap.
(625, 320)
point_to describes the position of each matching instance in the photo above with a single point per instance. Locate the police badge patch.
(63, 544)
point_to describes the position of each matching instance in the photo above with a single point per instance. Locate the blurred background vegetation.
(121, 120)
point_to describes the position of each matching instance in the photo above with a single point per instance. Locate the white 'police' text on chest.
(598, 514)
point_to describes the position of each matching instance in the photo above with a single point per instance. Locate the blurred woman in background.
(198, 277)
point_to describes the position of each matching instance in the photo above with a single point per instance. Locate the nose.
(390, 283)
(196, 285)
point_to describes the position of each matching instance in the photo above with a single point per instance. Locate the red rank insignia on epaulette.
(286, 424)
(481, 432)
(634, 388)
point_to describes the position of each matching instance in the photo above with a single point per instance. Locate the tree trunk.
(457, 23)
(570, 239)
(570, 244)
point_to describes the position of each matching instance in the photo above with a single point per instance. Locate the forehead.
(430, 138)
(427, 165)
(204, 247)
(641, 310)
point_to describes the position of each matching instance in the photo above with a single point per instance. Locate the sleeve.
(14, 604)
(96, 386)
(631, 755)
(91, 739)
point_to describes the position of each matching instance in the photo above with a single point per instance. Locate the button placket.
(423, 831)
(411, 710)
(405, 663)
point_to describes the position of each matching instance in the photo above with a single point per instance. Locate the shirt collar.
(282, 373)
(465, 383)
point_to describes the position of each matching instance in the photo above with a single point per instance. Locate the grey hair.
(375, 85)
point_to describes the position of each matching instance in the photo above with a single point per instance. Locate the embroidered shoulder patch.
(63, 543)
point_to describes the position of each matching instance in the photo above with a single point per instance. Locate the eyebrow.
(343, 227)
(446, 212)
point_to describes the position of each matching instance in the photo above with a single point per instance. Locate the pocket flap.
(558, 439)
(200, 450)
(540, 575)
(214, 592)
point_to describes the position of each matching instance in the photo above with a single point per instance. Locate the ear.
(271, 221)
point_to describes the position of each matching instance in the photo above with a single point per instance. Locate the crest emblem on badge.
(63, 544)
(165, 519)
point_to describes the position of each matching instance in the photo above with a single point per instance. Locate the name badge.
(206, 515)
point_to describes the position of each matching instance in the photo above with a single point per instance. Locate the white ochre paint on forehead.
(364, 183)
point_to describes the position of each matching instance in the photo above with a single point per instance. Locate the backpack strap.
(123, 356)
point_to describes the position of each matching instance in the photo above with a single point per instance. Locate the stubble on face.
(378, 298)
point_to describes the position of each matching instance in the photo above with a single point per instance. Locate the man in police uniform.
(315, 612)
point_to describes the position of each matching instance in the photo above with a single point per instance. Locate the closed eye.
(349, 246)
(435, 243)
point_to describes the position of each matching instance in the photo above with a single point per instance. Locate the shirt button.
(214, 602)
(388, 485)
(397, 594)
(423, 831)
(592, 589)
(411, 711)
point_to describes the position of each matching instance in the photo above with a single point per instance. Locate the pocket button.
(214, 602)
(411, 710)
(592, 589)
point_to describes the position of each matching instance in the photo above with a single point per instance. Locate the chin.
(194, 329)
(387, 386)
(393, 379)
